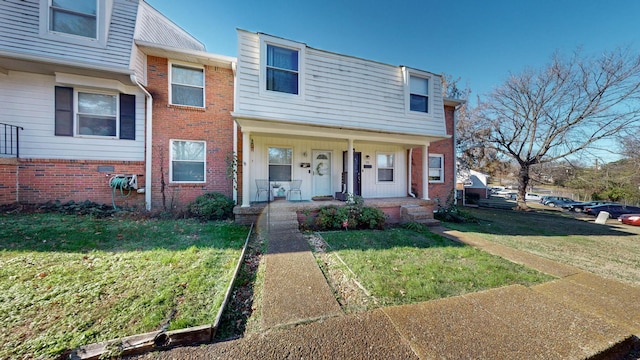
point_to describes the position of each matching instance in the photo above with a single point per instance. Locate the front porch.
(397, 209)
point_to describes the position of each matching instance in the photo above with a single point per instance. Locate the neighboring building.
(340, 123)
(72, 86)
(474, 182)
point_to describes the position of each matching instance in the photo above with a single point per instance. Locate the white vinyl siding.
(338, 91)
(28, 101)
(21, 33)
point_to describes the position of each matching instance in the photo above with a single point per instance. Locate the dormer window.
(419, 94)
(74, 17)
(282, 69)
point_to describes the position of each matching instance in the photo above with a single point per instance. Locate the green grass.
(400, 266)
(67, 281)
(611, 250)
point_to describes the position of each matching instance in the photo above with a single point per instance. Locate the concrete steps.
(418, 214)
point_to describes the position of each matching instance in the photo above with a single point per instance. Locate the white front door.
(322, 173)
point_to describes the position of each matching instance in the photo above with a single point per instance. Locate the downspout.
(148, 147)
(234, 181)
(410, 174)
(455, 157)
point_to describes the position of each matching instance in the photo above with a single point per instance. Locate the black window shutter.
(64, 111)
(127, 117)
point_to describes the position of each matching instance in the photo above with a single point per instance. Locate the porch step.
(417, 213)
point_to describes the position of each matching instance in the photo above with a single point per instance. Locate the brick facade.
(212, 124)
(42, 180)
(441, 193)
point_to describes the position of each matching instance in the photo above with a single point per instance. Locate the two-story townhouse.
(340, 124)
(193, 133)
(77, 87)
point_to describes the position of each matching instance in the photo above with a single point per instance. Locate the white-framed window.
(91, 113)
(386, 167)
(436, 168)
(188, 159)
(186, 85)
(74, 17)
(83, 22)
(281, 67)
(418, 93)
(280, 163)
(96, 113)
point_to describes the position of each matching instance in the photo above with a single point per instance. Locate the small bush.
(352, 216)
(212, 206)
(455, 215)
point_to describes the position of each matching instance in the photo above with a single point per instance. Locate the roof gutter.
(148, 142)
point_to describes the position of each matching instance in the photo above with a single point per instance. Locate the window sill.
(187, 107)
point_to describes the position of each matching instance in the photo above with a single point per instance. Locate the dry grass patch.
(610, 250)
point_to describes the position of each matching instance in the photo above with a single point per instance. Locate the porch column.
(425, 172)
(350, 166)
(246, 168)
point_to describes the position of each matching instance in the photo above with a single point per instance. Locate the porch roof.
(287, 128)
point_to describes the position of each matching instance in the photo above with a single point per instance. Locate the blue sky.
(481, 42)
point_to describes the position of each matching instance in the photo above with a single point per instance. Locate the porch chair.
(294, 186)
(263, 186)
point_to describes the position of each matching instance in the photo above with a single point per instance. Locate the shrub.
(455, 215)
(354, 215)
(212, 206)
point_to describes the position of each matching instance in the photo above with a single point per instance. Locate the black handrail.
(10, 139)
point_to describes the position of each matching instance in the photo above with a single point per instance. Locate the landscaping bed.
(69, 280)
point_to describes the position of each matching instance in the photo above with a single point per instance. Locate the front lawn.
(610, 250)
(67, 281)
(400, 266)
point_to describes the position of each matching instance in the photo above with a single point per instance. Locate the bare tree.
(570, 106)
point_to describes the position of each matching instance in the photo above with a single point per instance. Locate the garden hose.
(122, 183)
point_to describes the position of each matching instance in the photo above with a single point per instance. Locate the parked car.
(553, 201)
(630, 219)
(614, 210)
(532, 197)
(580, 206)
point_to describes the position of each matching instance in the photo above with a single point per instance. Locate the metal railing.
(10, 140)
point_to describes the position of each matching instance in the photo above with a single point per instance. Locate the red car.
(630, 219)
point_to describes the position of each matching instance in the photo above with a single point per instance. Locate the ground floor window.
(436, 168)
(280, 163)
(188, 159)
(386, 166)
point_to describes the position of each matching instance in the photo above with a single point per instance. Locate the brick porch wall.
(441, 193)
(42, 180)
(212, 124)
(8, 181)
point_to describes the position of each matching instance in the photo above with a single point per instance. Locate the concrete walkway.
(578, 316)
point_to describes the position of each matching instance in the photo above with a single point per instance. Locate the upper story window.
(386, 166)
(282, 69)
(418, 94)
(74, 17)
(187, 85)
